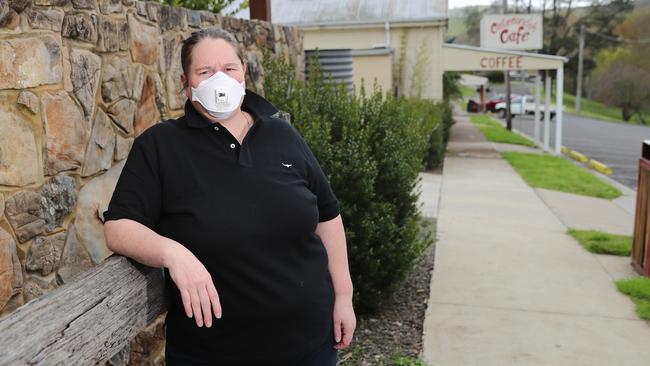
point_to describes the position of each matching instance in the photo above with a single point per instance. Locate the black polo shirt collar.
(253, 104)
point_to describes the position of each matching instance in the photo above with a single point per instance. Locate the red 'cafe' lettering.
(501, 62)
(514, 37)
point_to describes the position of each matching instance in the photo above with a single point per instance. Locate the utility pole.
(579, 76)
(506, 79)
(588, 85)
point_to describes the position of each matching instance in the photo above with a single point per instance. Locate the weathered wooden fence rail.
(87, 320)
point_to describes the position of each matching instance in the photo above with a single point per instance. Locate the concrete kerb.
(596, 165)
(590, 163)
(625, 190)
(601, 167)
(516, 131)
(578, 156)
(628, 199)
(458, 324)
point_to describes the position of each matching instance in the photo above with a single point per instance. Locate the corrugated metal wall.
(336, 64)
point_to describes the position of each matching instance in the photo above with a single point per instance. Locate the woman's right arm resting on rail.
(153, 250)
(134, 240)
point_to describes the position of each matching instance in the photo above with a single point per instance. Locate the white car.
(523, 105)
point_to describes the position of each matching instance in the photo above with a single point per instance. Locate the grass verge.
(354, 357)
(495, 132)
(399, 360)
(638, 289)
(603, 243)
(591, 108)
(594, 109)
(467, 91)
(559, 174)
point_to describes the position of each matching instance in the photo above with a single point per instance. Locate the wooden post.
(261, 9)
(641, 241)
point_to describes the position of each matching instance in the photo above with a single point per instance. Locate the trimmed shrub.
(372, 147)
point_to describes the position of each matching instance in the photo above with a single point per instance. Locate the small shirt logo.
(287, 165)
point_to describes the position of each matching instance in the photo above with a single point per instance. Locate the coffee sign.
(512, 31)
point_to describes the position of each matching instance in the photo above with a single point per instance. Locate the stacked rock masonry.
(79, 80)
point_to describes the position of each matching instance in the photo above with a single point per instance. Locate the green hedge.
(372, 147)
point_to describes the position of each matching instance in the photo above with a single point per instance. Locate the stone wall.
(79, 79)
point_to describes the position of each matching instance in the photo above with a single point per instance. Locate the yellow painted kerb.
(577, 156)
(600, 167)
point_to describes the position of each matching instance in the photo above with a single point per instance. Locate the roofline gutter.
(355, 24)
(510, 52)
(371, 52)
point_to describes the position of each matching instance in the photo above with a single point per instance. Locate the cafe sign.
(512, 31)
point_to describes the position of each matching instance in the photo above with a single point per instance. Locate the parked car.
(491, 104)
(519, 75)
(473, 106)
(523, 105)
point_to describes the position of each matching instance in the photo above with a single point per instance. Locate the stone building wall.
(79, 79)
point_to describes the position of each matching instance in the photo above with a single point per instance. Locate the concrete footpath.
(509, 286)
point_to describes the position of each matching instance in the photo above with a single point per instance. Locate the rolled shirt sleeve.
(137, 194)
(328, 204)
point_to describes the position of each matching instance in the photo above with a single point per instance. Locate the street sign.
(512, 31)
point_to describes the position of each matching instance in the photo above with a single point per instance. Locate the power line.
(618, 39)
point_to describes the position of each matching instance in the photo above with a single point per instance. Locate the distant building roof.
(473, 80)
(321, 12)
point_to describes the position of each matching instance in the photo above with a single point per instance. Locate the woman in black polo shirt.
(234, 206)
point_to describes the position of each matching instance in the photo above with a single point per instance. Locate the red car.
(491, 104)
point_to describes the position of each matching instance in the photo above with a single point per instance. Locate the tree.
(451, 86)
(215, 6)
(624, 85)
(472, 21)
(562, 21)
(473, 24)
(600, 20)
(623, 73)
(636, 35)
(420, 67)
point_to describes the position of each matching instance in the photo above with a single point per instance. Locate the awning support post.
(538, 96)
(547, 109)
(559, 102)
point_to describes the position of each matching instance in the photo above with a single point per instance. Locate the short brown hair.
(196, 36)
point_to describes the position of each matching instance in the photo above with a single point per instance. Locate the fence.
(86, 321)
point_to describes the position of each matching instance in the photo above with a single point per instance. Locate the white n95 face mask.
(219, 94)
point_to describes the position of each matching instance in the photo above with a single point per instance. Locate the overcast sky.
(452, 4)
(461, 3)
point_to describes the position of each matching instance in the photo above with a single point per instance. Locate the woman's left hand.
(345, 321)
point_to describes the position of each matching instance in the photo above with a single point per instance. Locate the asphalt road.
(616, 144)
